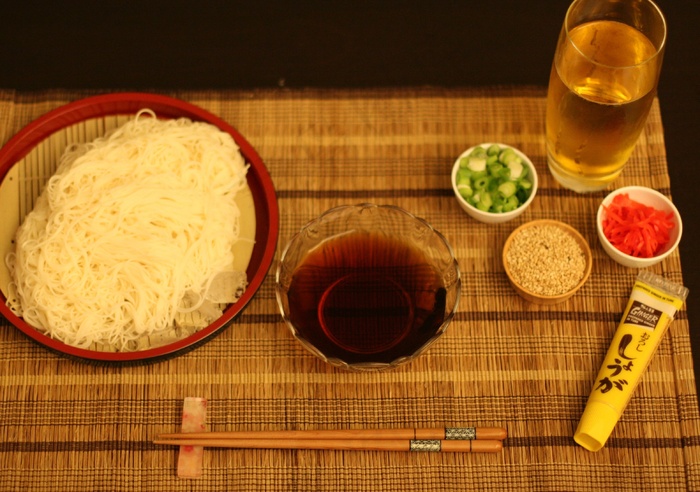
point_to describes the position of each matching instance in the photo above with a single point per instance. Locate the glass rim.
(656, 54)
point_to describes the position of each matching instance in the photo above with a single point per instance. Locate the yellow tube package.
(651, 308)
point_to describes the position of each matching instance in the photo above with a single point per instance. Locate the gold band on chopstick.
(429, 445)
(460, 433)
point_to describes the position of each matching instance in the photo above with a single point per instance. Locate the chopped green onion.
(464, 176)
(507, 189)
(506, 155)
(485, 202)
(479, 152)
(465, 190)
(516, 168)
(494, 179)
(476, 163)
(495, 168)
(512, 203)
(481, 183)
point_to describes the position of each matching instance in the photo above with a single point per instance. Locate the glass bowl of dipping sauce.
(367, 287)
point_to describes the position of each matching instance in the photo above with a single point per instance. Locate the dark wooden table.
(188, 45)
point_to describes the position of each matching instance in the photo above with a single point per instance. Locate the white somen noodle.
(132, 230)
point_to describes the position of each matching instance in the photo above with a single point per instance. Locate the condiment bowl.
(529, 173)
(367, 287)
(650, 198)
(547, 261)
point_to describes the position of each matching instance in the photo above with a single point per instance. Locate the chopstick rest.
(190, 458)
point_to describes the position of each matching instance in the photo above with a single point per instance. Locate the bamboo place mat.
(69, 426)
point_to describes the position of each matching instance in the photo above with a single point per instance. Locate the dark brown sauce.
(366, 298)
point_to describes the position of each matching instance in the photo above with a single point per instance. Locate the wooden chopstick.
(448, 434)
(431, 445)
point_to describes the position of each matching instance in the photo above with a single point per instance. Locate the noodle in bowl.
(149, 236)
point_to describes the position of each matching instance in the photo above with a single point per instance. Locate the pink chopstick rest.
(190, 458)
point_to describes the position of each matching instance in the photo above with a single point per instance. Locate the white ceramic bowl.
(493, 217)
(649, 197)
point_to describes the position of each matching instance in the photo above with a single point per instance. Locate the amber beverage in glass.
(602, 84)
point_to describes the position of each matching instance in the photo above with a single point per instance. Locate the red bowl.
(259, 182)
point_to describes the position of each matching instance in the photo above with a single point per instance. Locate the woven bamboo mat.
(67, 426)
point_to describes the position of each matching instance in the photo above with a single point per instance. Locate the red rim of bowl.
(259, 181)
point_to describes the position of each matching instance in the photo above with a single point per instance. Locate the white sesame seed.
(546, 260)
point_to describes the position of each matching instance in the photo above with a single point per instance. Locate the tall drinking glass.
(602, 84)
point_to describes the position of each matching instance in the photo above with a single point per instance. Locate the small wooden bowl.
(535, 297)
